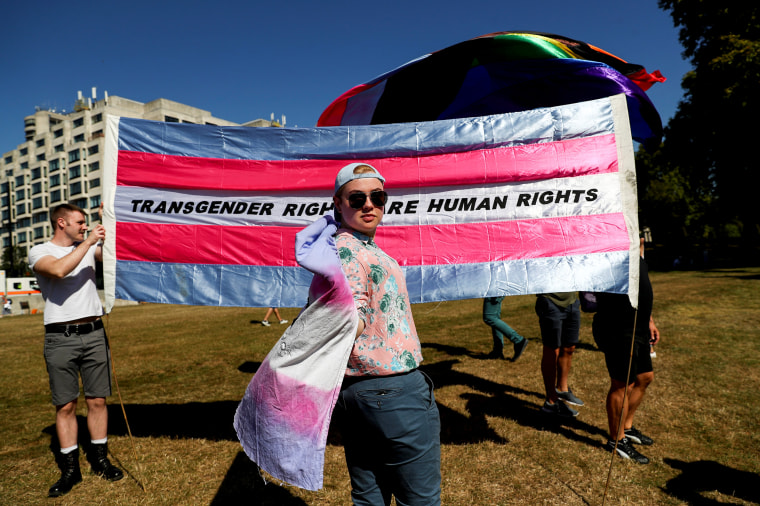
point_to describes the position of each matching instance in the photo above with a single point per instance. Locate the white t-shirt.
(74, 297)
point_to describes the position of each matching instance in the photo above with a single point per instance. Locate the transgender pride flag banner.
(520, 203)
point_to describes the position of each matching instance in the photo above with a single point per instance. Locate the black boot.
(98, 457)
(70, 474)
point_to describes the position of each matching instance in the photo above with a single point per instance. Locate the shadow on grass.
(249, 367)
(243, 485)
(498, 400)
(708, 476)
(460, 351)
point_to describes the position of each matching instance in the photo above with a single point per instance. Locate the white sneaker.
(283, 322)
(265, 323)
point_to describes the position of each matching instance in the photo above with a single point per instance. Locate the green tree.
(709, 145)
(14, 262)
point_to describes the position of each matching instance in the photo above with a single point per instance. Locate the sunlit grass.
(181, 371)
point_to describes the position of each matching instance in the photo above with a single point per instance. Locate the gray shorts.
(560, 326)
(66, 357)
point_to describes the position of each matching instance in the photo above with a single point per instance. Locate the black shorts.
(616, 355)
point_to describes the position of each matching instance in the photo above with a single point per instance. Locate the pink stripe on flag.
(486, 166)
(416, 245)
(206, 244)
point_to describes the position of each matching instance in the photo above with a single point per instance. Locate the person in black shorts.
(613, 328)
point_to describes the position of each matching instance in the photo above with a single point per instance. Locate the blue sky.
(243, 60)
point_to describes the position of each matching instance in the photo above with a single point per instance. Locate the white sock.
(99, 441)
(69, 449)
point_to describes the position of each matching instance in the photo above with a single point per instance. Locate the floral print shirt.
(389, 343)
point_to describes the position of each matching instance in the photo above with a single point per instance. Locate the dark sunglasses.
(377, 197)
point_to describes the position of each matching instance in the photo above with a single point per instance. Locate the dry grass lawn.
(181, 371)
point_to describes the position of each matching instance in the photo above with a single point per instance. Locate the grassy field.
(181, 371)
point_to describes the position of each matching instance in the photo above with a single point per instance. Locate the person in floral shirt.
(390, 423)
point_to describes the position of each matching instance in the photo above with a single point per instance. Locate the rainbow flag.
(528, 202)
(498, 73)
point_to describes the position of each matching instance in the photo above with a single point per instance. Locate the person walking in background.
(265, 321)
(500, 329)
(559, 317)
(75, 341)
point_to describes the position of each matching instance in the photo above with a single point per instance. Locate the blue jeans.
(499, 329)
(391, 434)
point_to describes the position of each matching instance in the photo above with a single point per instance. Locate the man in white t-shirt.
(75, 341)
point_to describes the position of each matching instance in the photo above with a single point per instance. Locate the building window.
(55, 196)
(20, 180)
(40, 143)
(20, 209)
(40, 218)
(93, 149)
(94, 201)
(81, 203)
(24, 165)
(75, 188)
(9, 159)
(58, 133)
(94, 183)
(23, 152)
(41, 157)
(54, 165)
(97, 118)
(170, 119)
(36, 173)
(79, 138)
(36, 188)
(55, 180)
(75, 171)
(36, 202)
(39, 232)
(21, 237)
(20, 194)
(23, 223)
(94, 166)
(4, 201)
(58, 148)
(74, 156)
(78, 122)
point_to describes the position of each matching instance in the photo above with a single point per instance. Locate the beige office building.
(61, 160)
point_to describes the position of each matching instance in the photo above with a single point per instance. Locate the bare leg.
(97, 417)
(66, 424)
(563, 367)
(636, 395)
(549, 372)
(615, 406)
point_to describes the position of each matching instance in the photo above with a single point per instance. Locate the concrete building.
(61, 160)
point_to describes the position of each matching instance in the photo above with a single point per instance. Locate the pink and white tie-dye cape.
(283, 419)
